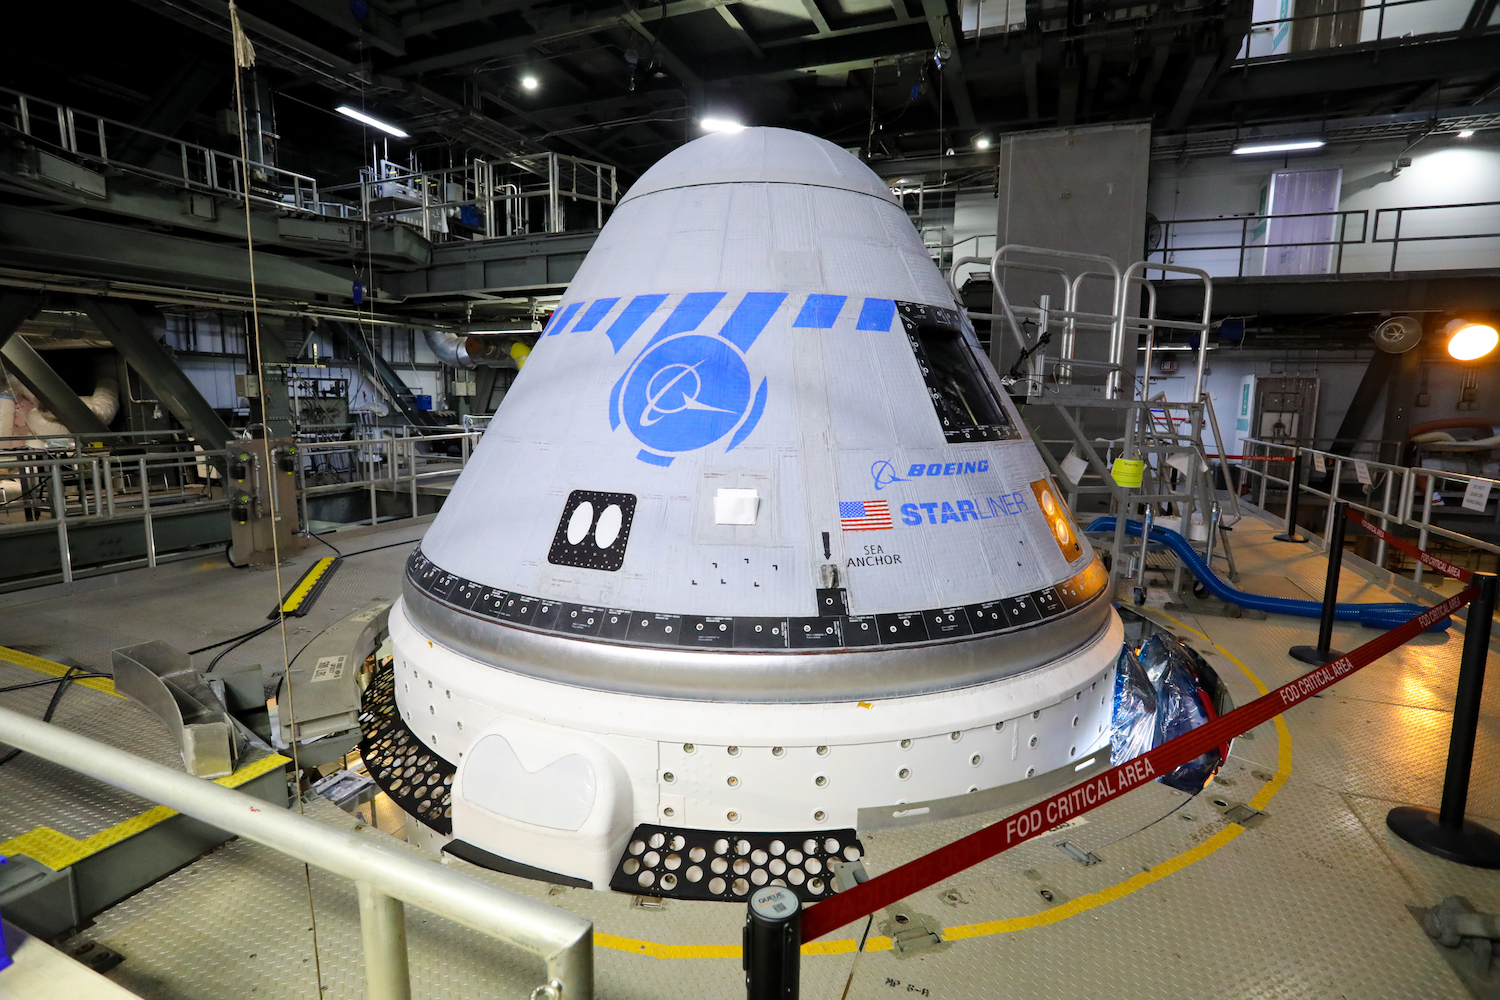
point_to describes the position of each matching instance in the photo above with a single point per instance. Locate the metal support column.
(382, 925)
(50, 390)
(15, 309)
(131, 337)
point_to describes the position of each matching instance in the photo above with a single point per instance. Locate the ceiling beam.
(1199, 71)
(727, 13)
(686, 75)
(1350, 67)
(379, 29)
(1069, 79)
(1223, 44)
(652, 100)
(1159, 56)
(550, 25)
(815, 15)
(1479, 17)
(426, 20)
(940, 25)
(826, 55)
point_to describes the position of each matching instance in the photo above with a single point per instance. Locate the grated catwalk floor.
(1310, 903)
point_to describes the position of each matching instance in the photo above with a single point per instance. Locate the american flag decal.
(865, 515)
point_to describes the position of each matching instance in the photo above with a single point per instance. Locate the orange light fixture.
(1471, 341)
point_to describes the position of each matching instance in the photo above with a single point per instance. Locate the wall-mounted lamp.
(1471, 341)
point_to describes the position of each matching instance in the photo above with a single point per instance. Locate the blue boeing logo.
(688, 389)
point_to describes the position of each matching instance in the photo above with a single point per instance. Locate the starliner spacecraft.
(756, 545)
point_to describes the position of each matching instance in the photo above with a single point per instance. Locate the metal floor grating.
(1310, 903)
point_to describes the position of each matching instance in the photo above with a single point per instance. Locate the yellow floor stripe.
(58, 850)
(51, 669)
(1010, 925)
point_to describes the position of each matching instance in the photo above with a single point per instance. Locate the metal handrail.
(1244, 245)
(1381, 6)
(385, 874)
(201, 168)
(1398, 497)
(393, 452)
(1396, 239)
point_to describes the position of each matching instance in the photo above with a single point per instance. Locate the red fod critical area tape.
(927, 871)
(1441, 565)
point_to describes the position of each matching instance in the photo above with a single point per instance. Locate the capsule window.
(963, 395)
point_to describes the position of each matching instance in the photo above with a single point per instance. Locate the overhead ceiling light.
(981, 143)
(530, 82)
(720, 125)
(1280, 147)
(360, 116)
(1467, 133)
(1471, 341)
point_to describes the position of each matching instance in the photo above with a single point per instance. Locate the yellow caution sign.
(1128, 472)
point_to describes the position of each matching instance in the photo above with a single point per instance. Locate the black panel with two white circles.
(593, 530)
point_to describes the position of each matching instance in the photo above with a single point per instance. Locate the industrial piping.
(477, 352)
(104, 402)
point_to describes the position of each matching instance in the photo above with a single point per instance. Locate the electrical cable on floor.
(377, 548)
(50, 680)
(240, 641)
(235, 638)
(319, 537)
(62, 682)
(857, 952)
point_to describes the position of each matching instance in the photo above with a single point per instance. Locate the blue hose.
(1381, 616)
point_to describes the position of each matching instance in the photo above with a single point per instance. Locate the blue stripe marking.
(876, 314)
(560, 319)
(651, 458)
(820, 311)
(593, 315)
(631, 317)
(688, 314)
(756, 409)
(750, 318)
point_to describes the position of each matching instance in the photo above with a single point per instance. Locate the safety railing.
(386, 875)
(482, 199)
(96, 139)
(478, 200)
(1396, 217)
(84, 489)
(1396, 496)
(1251, 236)
(1367, 21)
(393, 465)
(1342, 242)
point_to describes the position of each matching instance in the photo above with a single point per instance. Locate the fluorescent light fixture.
(981, 143)
(530, 82)
(360, 116)
(1467, 133)
(720, 125)
(1471, 341)
(1280, 147)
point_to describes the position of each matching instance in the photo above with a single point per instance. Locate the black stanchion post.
(1447, 833)
(1321, 653)
(773, 944)
(1294, 488)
